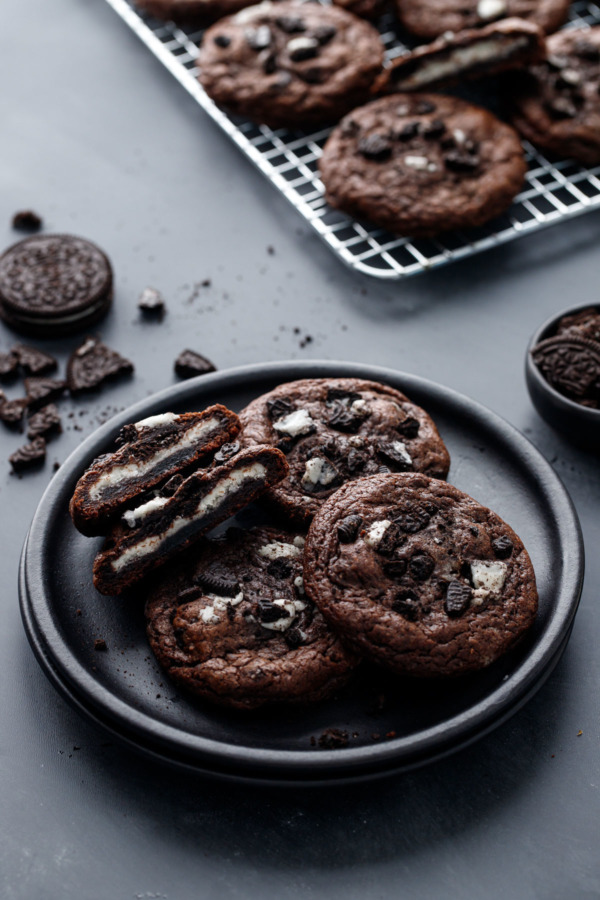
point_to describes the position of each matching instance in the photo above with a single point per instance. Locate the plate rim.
(206, 754)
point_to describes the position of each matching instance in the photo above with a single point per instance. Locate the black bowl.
(578, 423)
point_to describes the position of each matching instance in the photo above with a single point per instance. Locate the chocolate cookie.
(335, 430)
(232, 624)
(54, 284)
(290, 64)
(418, 576)
(153, 532)
(366, 9)
(421, 164)
(557, 106)
(474, 53)
(190, 12)
(429, 19)
(152, 452)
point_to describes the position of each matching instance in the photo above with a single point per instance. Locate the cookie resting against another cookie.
(290, 64)
(429, 19)
(418, 576)
(473, 53)
(159, 528)
(152, 453)
(556, 105)
(421, 164)
(335, 430)
(232, 625)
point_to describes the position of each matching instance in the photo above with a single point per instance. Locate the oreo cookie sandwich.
(557, 104)
(154, 531)
(232, 624)
(290, 64)
(418, 576)
(421, 164)
(54, 284)
(335, 430)
(153, 452)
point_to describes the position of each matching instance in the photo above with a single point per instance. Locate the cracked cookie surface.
(418, 576)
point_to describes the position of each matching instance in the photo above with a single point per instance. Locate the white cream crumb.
(491, 9)
(489, 575)
(295, 423)
(376, 532)
(279, 548)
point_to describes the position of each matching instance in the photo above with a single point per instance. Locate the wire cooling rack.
(553, 191)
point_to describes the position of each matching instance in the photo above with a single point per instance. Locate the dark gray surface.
(102, 141)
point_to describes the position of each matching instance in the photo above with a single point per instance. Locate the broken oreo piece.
(189, 364)
(26, 220)
(92, 364)
(41, 391)
(29, 456)
(44, 423)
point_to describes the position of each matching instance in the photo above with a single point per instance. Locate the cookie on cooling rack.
(190, 12)
(422, 164)
(557, 105)
(335, 430)
(232, 625)
(474, 53)
(54, 284)
(418, 576)
(290, 64)
(429, 19)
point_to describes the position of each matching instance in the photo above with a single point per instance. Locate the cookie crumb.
(151, 303)
(333, 739)
(579, 733)
(189, 364)
(26, 220)
(100, 644)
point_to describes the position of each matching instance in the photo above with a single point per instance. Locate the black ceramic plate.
(123, 690)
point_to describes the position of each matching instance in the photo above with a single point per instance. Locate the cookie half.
(335, 430)
(290, 64)
(232, 624)
(150, 534)
(474, 53)
(54, 284)
(557, 104)
(422, 164)
(430, 19)
(418, 576)
(153, 451)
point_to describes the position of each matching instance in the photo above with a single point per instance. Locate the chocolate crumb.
(26, 220)
(100, 644)
(333, 739)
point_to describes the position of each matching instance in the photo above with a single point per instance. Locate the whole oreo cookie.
(571, 364)
(421, 164)
(418, 576)
(232, 624)
(429, 19)
(54, 284)
(557, 104)
(290, 64)
(335, 430)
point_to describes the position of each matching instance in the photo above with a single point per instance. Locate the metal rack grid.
(553, 191)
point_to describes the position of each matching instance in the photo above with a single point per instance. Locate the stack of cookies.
(407, 160)
(364, 551)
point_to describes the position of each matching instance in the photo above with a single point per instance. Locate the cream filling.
(137, 470)
(133, 516)
(292, 608)
(295, 423)
(155, 421)
(210, 501)
(278, 549)
(458, 60)
(376, 532)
